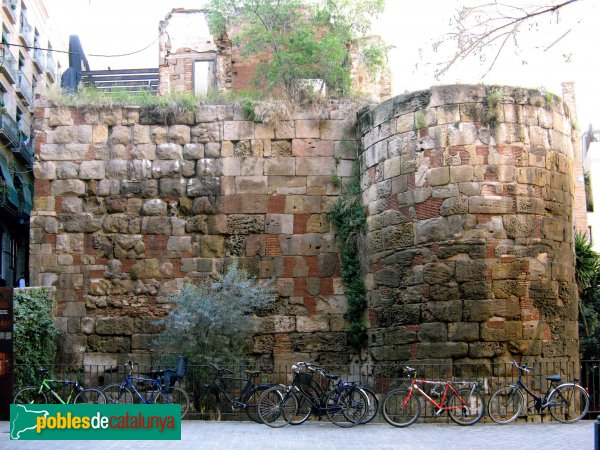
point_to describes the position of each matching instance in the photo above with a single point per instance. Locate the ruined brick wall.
(127, 209)
(470, 226)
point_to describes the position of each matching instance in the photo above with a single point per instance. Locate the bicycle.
(210, 395)
(401, 406)
(316, 390)
(77, 393)
(567, 402)
(345, 404)
(159, 390)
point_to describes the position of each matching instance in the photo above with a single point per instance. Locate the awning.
(12, 192)
(27, 196)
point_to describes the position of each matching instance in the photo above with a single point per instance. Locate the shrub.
(34, 333)
(213, 321)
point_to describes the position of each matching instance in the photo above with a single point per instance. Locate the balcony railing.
(9, 67)
(10, 7)
(39, 59)
(26, 31)
(9, 130)
(50, 66)
(25, 149)
(24, 88)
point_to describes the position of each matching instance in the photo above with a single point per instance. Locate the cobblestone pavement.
(324, 436)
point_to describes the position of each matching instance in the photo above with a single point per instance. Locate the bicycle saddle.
(330, 376)
(556, 378)
(252, 372)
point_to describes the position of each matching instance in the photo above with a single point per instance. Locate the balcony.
(25, 149)
(39, 59)
(24, 89)
(9, 130)
(26, 32)
(10, 7)
(9, 67)
(50, 67)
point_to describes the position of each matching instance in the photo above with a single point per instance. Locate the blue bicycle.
(157, 389)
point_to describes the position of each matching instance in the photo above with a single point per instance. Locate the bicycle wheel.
(304, 410)
(400, 407)
(177, 396)
(469, 406)
(91, 396)
(568, 403)
(115, 395)
(30, 396)
(373, 405)
(506, 404)
(277, 406)
(347, 406)
(251, 401)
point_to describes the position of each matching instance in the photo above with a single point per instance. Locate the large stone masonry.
(127, 209)
(470, 227)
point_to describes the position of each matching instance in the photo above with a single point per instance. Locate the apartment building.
(27, 69)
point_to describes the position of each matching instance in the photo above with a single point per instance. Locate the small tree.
(299, 39)
(214, 320)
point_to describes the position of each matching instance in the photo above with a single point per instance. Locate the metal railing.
(26, 31)
(50, 66)
(380, 378)
(9, 129)
(24, 88)
(39, 58)
(10, 7)
(9, 66)
(131, 80)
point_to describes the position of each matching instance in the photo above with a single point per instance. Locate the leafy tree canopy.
(214, 320)
(304, 39)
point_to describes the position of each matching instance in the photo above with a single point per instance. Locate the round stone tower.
(469, 192)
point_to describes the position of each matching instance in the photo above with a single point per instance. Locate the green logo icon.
(95, 422)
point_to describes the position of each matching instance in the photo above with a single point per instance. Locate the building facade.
(27, 68)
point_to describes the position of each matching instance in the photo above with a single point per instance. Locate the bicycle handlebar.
(522, 367)
(219, 370)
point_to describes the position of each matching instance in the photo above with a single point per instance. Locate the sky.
(409, 26)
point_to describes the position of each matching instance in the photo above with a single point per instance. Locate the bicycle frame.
(156, 387)
(216, 389)
(45, 384)
(441, 406)
(539, 402)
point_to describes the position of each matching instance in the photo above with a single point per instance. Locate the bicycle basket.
(303, 376)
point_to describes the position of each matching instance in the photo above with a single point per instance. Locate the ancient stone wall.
(469, 192)
(127, 209)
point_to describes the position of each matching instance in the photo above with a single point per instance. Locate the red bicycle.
(401, 406)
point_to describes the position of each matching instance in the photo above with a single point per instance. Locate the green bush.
(214, 320)
(34, 333)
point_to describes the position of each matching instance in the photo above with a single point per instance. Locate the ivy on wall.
(348, 216)
(34, 333)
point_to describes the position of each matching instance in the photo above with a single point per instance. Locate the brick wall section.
(470, 227)
(127, 209)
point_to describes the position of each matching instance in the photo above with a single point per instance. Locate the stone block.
(179, 134)
(279, 224)
(92, 170)
(306, 129)
(438, 176)
(334, 130)
(251, 185)
(463, 332)
(312, 147)
(169, 151)
(237, 130)
(442, 311)
(67, 187)
(193, 151)
(470, 271)
(491, 205)
(285, 129)
(433, 332)
(312, 324)
(264, 131)
(63, 152)
(280, 166)
(442, 350)
(315, 166)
